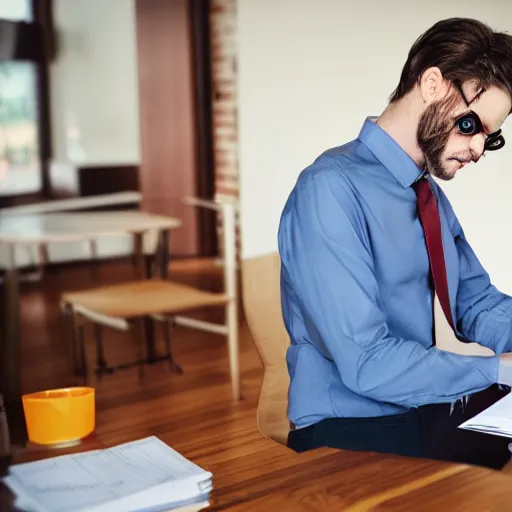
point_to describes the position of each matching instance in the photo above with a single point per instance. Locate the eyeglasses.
(470, 124)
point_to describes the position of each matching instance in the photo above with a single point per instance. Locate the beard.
(434, 129)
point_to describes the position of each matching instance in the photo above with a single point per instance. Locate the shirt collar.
(389, 153)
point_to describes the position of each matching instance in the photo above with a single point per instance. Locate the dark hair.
(463, 49)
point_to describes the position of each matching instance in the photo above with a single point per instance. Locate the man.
(367, 236)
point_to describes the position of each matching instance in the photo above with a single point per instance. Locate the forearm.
(489, 322)
(406, 373)
(484, 314)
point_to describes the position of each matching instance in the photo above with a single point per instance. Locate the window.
(20, 155)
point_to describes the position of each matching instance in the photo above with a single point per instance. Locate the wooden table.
(326, 480)
(41, 229)
(358, 481)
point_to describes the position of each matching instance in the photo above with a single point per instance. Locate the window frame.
(42, 24)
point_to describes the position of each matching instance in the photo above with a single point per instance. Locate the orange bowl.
(60, 416)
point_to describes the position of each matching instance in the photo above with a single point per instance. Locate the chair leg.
(79, 329)
(149, 337)
(69, 329)
(233, 349)
(139, 335)
(78, 345)
(100, 357)
(135, 263)
(168, 325)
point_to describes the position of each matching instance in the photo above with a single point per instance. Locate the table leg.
(144, 271)
(164, 270)
(148, 266)
(149, 324)
(95, 264)
(10, 353)
(149, 329)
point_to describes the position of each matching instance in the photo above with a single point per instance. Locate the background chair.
(122, 306)
(262, 305)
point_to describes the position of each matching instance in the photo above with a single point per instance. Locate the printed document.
(145, 475)
(496, 419)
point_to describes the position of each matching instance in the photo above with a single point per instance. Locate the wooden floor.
(193, 412)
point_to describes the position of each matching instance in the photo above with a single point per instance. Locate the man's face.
(445, 148)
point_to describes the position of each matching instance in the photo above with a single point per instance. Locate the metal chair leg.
(168, 325)
(69, 330)
(77, 344)
(139, 335)
(80, 336)
(100, 357)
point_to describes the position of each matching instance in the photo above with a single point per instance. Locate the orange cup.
(59, 416)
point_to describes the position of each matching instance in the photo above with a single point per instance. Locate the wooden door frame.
(186, 39)
(201, 51)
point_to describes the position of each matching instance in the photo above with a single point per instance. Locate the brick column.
(223, 31)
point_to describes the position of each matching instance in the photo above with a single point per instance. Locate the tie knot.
(423, 190)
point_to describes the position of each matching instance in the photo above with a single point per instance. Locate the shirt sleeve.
(326, 253)
(484, 314)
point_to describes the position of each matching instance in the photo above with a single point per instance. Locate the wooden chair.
(262, 305)
(122, 306)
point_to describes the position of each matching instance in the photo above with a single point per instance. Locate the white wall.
(94, 104)
(94, 91)
(309, 74)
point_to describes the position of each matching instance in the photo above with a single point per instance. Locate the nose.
(476, 146)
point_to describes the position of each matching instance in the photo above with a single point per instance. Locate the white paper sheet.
(496, 419)
(142, 475)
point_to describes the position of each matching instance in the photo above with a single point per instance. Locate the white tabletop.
(75, 203)
(56, 227)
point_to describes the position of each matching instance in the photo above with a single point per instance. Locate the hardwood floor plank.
(195, 414)
(185, 408)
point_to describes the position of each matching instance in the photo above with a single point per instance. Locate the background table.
(41, 229)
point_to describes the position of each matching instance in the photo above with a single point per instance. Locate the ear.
(432, 85)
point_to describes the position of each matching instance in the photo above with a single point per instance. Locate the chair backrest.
(228, 210)
(262, 305)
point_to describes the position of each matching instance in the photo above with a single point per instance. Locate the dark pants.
(428, 432)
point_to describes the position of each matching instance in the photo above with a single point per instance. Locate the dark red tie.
(431, 222)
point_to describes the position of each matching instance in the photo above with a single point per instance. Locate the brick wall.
(224, 98)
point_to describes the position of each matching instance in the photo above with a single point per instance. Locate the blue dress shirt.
(356, 294)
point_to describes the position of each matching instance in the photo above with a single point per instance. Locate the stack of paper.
(145, 475)
(496, 419)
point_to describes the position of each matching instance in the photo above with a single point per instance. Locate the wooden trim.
(201, 54)
(43, 15)
(96, 180)
(32, 46)
(15, 200)
(26, 41)
(167, 109)
(44, 132)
